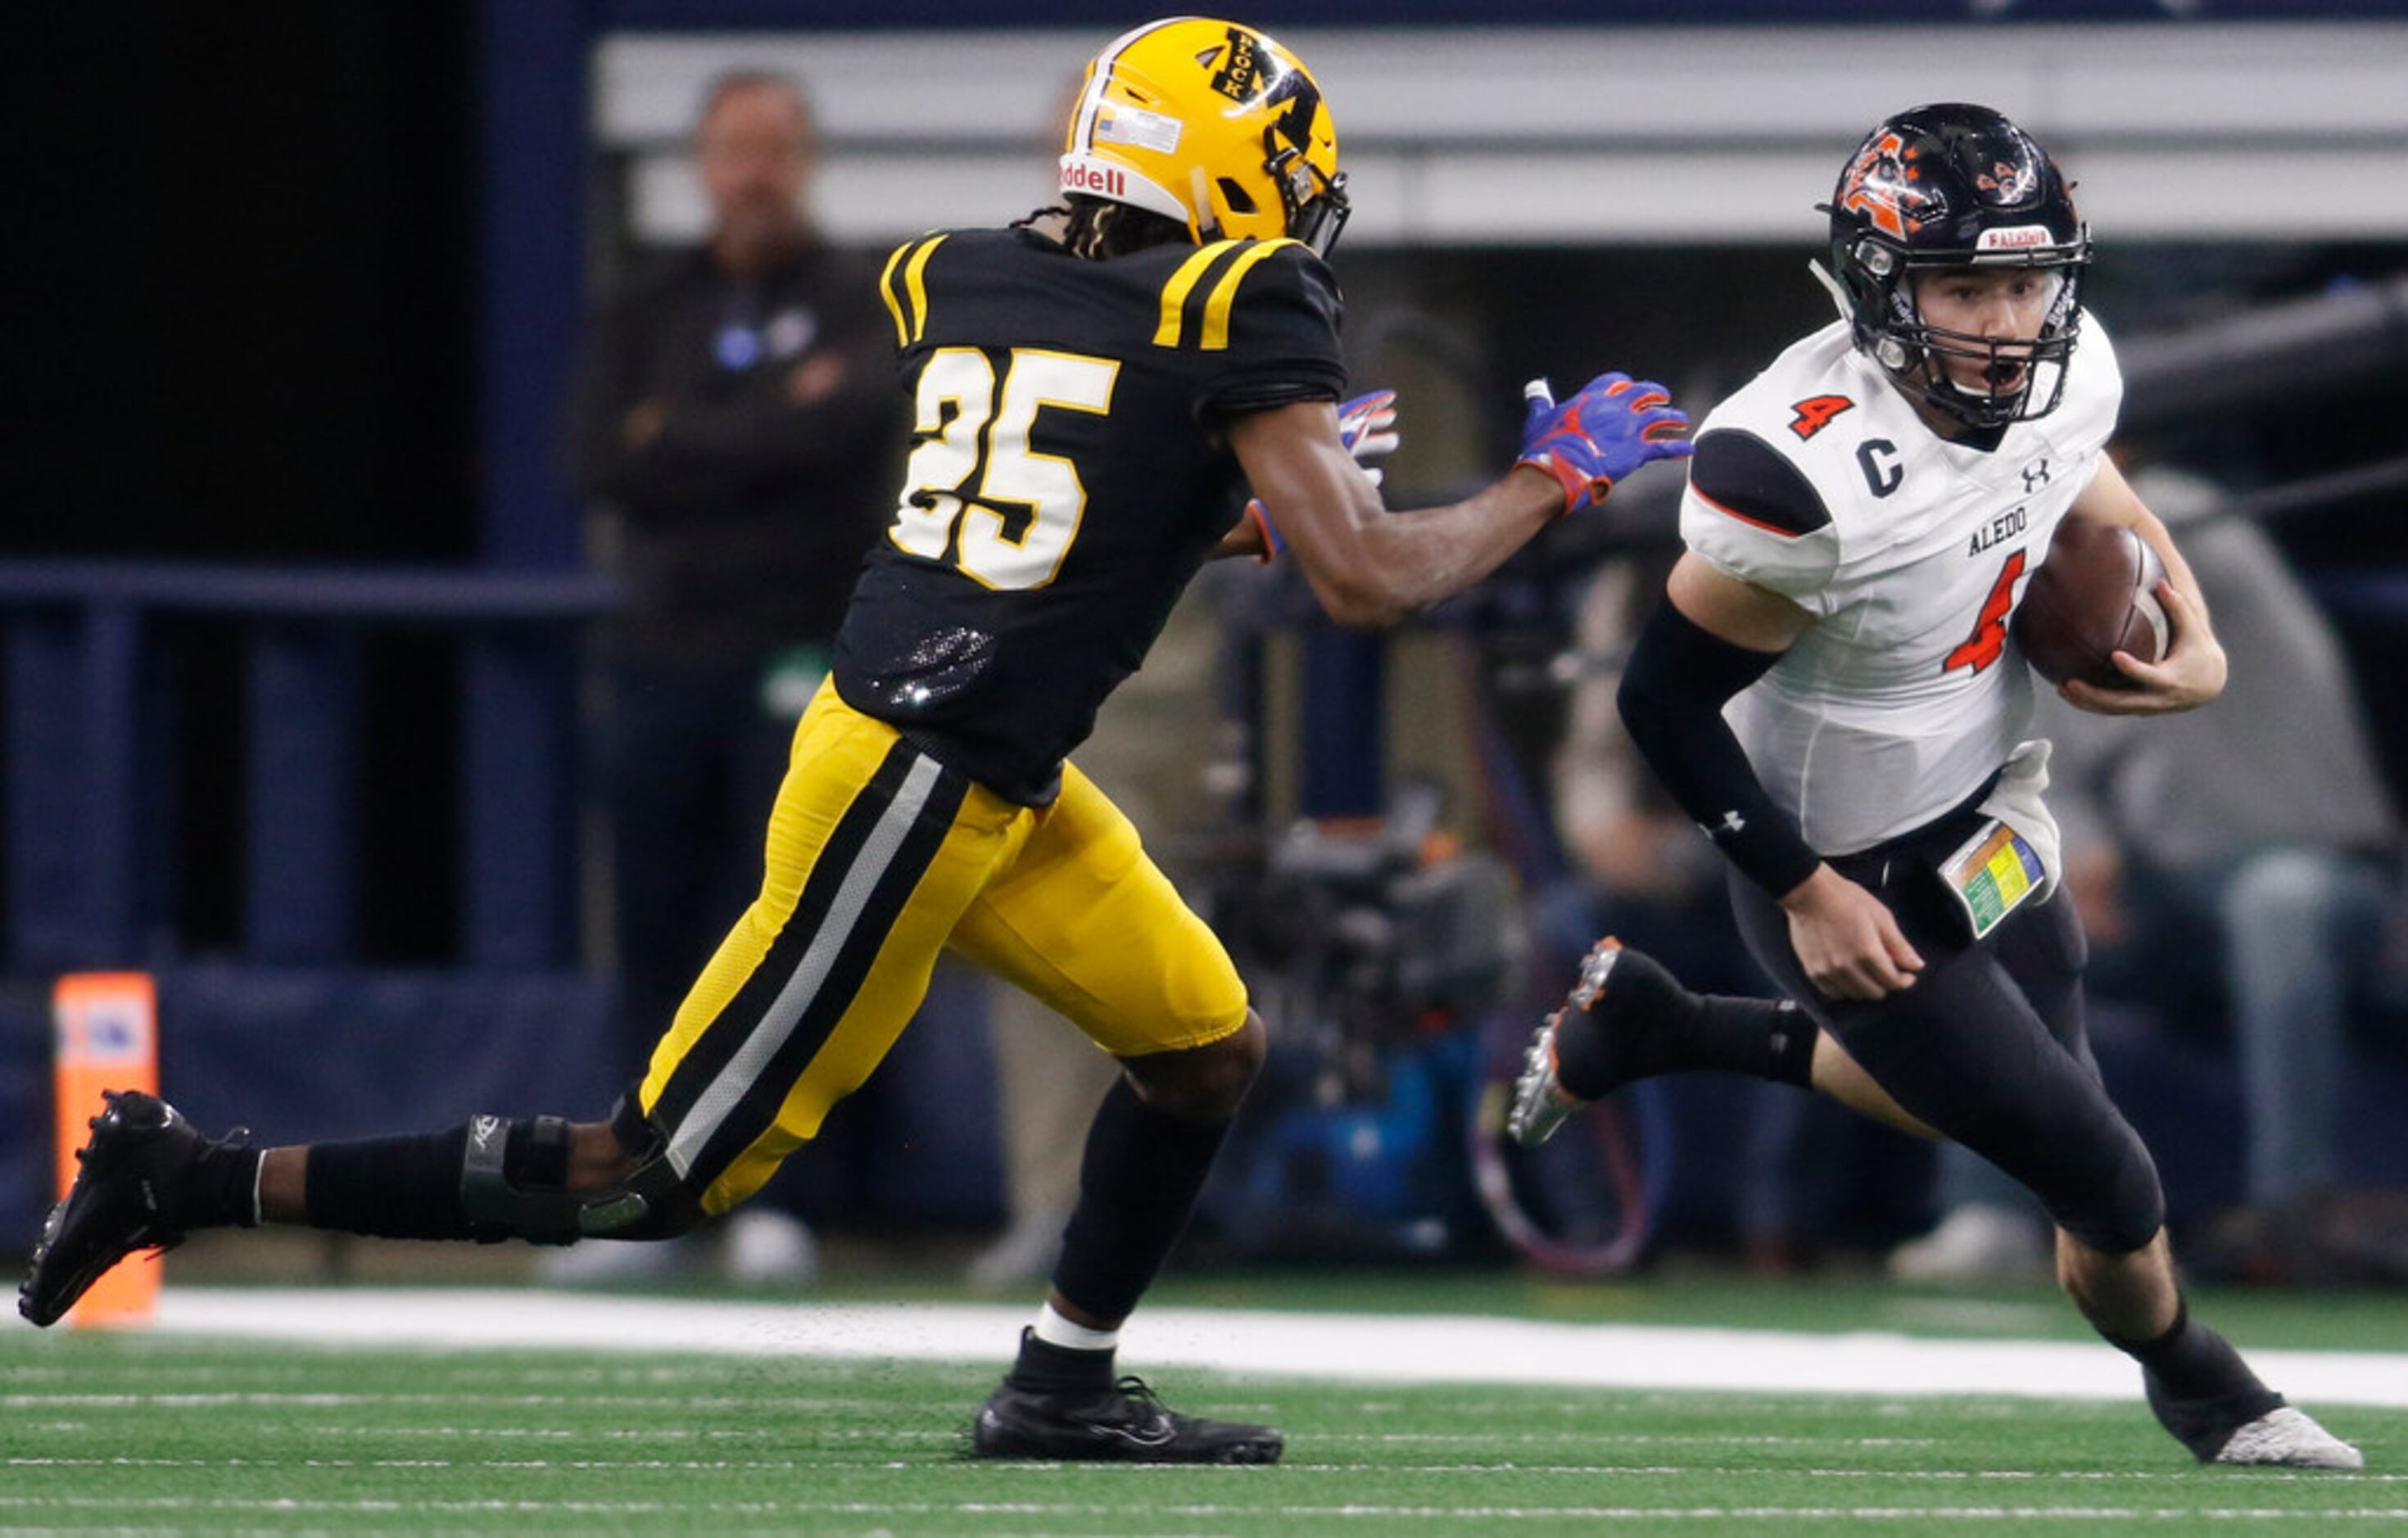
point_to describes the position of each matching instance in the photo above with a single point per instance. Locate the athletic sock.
(406, 1187)
(1646, 1023)
(2198, 1387)
(218, 1189)
(1045, 1368)
(1054, 1328)
(1137, 1181)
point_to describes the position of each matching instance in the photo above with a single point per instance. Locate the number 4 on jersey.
(1816, 412)
(1989, 637)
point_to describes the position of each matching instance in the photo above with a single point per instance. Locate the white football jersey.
(1911, 551)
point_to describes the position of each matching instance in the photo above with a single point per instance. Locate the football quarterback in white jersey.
(1905, 548)
(1831, 691)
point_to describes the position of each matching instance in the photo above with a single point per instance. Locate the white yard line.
(1438, 1349)
(1368, 1513)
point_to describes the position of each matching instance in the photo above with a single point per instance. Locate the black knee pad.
(2121, 1211)
(2135, 1220)
(514, 1184)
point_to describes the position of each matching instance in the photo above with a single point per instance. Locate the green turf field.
(163, 1433)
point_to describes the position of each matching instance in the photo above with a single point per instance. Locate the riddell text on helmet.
(1103, 181)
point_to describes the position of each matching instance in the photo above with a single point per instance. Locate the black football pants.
(1989, 1045)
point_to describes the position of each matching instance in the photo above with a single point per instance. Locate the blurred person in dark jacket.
(733, 419)
(1640, 871)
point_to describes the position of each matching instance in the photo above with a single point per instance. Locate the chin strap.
(1831, 286)
(1208, 229)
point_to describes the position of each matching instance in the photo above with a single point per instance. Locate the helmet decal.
(2012, 183)
(1879, 185)
(1239, 76)
(1303, 101)
(1155, 131)
(2014, 238)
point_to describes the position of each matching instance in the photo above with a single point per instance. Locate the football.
(2094, 596)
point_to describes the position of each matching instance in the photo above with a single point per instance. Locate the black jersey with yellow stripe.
(1067, 476)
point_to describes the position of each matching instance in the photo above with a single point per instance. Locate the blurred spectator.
(734, 418)
(1643, 872)
(1048, 1079)
(1149, 751)
(1146, 751)
(1641, 864)
(2239, 855)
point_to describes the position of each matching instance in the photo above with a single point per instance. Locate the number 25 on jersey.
(972, 430)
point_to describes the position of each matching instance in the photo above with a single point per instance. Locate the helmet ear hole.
(1236, 196)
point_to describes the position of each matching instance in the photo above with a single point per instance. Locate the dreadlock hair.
(1100, 228)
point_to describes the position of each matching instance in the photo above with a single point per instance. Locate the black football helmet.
(1948, 187)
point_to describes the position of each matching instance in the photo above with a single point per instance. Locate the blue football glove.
(1611, 427)
(1366, 428)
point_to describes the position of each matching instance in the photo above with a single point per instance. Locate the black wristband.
(1679, 677)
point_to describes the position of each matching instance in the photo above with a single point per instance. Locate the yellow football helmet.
(1212, 124)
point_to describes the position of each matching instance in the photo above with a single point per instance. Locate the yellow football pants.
(878, 858)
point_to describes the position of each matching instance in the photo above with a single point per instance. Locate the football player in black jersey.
(1096, 389)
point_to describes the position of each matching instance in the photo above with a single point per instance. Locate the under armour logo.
(2035, 476)
(481, 1129)
(1733, 823)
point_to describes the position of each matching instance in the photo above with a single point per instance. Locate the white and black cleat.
(1541, 1102)
(2286, 1438)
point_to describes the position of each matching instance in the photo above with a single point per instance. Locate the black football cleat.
(141, 1150)
(1123, 1424)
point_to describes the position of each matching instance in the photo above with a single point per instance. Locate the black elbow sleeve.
(1673, 690)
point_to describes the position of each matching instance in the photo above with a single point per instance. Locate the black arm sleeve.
(1679, 677)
